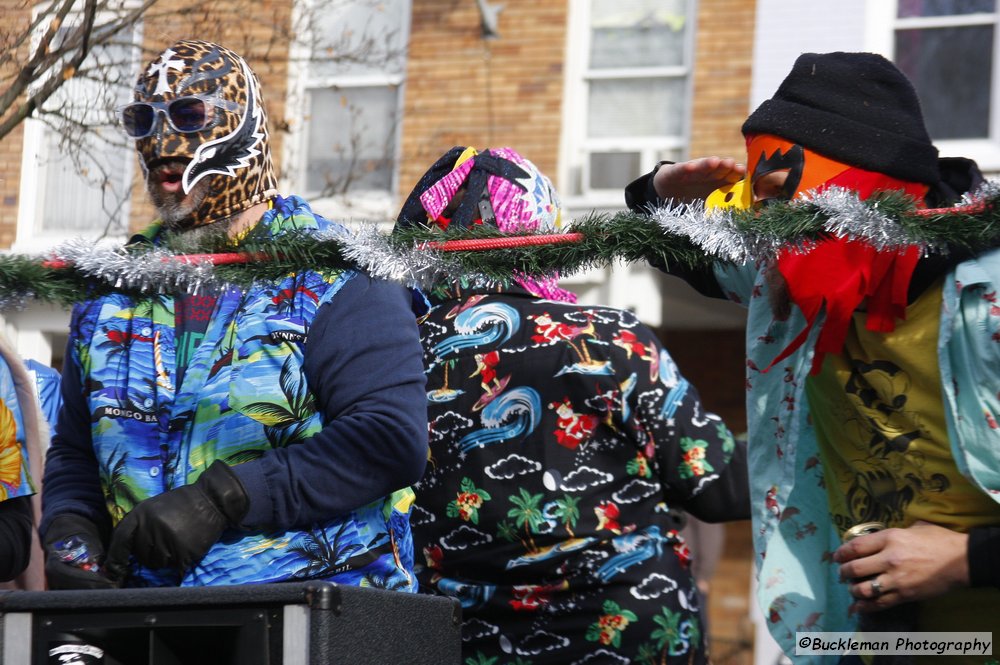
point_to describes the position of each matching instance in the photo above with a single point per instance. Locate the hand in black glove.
(73, 554)
(15, 536)
(175, 529)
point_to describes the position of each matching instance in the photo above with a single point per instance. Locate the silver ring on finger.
(877, 589)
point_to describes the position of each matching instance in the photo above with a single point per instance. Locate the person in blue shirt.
(249, 435)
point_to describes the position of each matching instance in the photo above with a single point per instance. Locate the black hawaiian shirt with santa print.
(563, 443)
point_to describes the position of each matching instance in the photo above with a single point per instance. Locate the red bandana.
(843, 274)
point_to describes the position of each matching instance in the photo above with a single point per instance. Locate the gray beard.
(177, 210)
(194, 240)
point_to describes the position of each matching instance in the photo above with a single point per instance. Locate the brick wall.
(464, 90)
(723, 61)
(10, 183)
(13, 20)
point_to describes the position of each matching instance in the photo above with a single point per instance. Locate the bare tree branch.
(69, 62)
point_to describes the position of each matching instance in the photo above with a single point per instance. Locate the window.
(77, 167)
(627, 92)
(948, 49)
(350, 94)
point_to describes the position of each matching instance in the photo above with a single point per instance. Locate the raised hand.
(694, 180)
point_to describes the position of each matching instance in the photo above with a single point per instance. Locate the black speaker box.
(309, 623)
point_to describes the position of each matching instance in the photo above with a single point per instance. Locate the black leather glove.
(175, 529)
(15, 536)
(73, 554)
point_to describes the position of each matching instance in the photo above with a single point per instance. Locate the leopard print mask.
(229, 161)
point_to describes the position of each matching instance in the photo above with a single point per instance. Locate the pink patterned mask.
(505, 189)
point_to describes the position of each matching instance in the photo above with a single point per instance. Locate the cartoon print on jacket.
(559, 437)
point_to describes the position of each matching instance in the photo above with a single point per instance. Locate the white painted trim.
(365, 81)
(292, 170)
(638, 73)
(953, 21)
(577, 43)
(576, 146)
(27, 198)
(878, 37)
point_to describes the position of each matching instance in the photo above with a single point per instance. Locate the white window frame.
(31, 237)
(361, 204)
(576, 146)
(881, 25)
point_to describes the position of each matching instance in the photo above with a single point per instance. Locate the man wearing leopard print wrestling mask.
(203, 437)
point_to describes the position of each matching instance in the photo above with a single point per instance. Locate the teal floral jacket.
(794, 536)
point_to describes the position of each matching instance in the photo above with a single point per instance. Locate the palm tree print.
(568, 511)
(324, 559)
(116, 345)
(668, 636)
(693, 634)
(444, 393)
(481, 659)
(387, 581)
(284, 425)
(527, 513)
(241, 456)
(287, 300)
(506, 531)
(119, 496)
(647, 654)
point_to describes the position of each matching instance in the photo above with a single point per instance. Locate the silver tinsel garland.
(155, 271)
(716, 232)
(161, 271)
(418, 266)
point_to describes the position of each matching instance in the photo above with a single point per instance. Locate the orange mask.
(837, 275)
(807, 170)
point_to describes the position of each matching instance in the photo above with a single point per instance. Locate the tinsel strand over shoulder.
(672, 235)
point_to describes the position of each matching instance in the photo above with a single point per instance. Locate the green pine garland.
(626, 237)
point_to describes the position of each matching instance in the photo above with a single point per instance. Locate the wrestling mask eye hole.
(771, 187)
